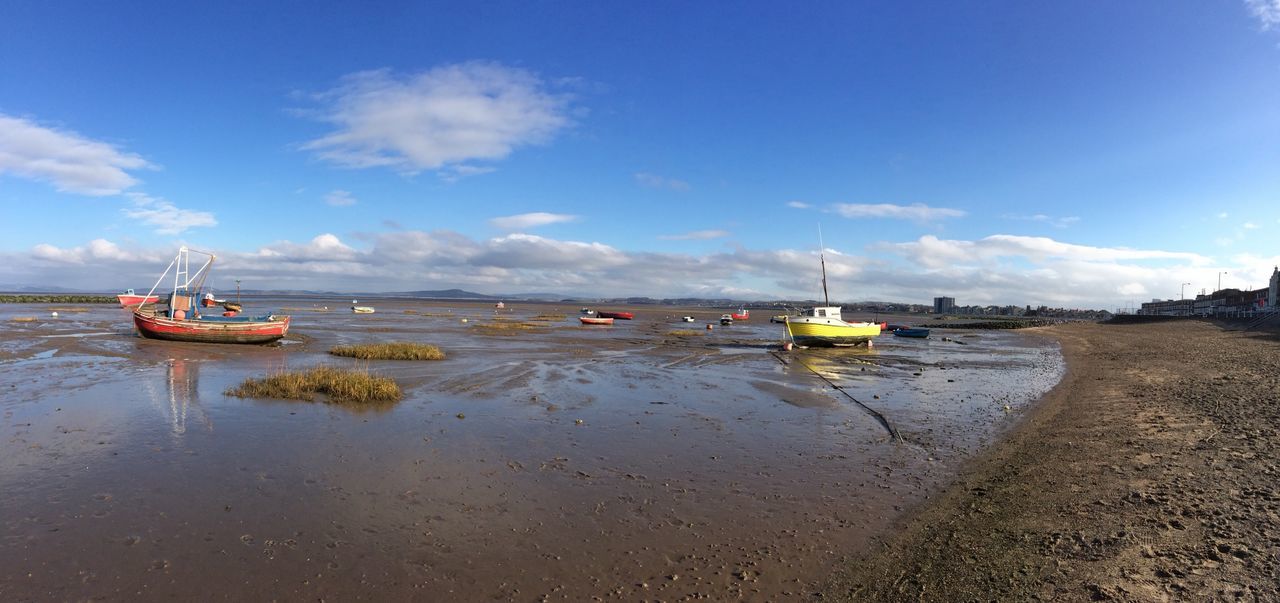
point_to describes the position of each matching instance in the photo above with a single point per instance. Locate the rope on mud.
(884, 422)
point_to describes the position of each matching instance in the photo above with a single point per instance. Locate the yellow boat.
(822, 326)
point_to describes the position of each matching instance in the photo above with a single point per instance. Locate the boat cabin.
(823, 312)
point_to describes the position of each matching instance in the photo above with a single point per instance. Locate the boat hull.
(921, 333)
(128, 301)
(617, 315)
(827, 332)
(211, 331)
(587, 320)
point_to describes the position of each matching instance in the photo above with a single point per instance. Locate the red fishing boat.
(617, 315)
(592, 320)
(128, 299)
(741, 315)
(181, 320)
(210, 329)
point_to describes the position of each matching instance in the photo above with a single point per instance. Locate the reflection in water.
(182, 395)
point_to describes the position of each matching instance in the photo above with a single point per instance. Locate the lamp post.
(1184, 290)
(237, 291)
(1220, 281)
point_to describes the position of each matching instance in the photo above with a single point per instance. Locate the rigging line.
(884, 422)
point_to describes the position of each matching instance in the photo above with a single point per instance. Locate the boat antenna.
(823, 259)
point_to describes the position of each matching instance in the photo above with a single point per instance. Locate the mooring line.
(884, 422)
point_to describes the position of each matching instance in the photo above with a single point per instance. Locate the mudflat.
(541, 459)
(1147, 474)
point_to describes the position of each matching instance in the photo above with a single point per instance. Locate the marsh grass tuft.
(548, 317)
(65, 309)
(685, 333)
(339, 386)
(389, 351)
(505, 327)
(24, 319)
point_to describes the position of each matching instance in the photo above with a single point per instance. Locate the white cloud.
(916, 211)
(932, 252)
(95, 250)
(661, 182)
(443, 118)
(164, 216)
(71, 162)
(339, 198)
(696, 235)
(1267, 12)
(1055, 221)
(1223, 215)
(798, 204)
(1250, 226)
(1001, 269)
(530, 220)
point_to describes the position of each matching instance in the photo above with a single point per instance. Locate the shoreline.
(1147, 473)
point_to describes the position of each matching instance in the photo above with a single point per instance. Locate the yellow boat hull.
(829, 332)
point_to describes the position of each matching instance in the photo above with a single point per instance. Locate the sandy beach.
(1147, 474)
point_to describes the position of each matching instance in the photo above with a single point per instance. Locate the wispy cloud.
(932, 252)
(165, 217)
(71, 162)
(661, 182)
(1267, 12)
(916, 211)
(798, 204)
(530, 220)
(1223, 215)
(1250, 226)
(95, 250)
(442, 118)
(1055, 221)
(696, 235)
(339, 198)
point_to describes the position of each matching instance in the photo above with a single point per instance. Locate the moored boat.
(911, 332)
(822, 326)
(741, 314)
(617, 315)
(726, 319)
(362, 309)
(686, 319)
(593, 320)
(210, 329)
(129, 299)
(181, 319)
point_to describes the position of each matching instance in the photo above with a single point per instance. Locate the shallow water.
(620, 462)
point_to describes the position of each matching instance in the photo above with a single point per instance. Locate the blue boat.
(909, 332)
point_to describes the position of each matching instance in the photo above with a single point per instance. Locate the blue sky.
(1075, 154)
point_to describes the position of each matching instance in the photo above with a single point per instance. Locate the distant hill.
(445, 294)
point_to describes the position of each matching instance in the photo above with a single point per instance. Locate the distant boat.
(823, 326)
(617, 315)
(781, 318)
(726, 319)
(182, 321)
(686, 319)
(129, 299)
(911, 332)
(591, 320)
(741, 314)
(362, 309)
(588, 311)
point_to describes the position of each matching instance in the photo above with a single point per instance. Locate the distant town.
(1226, 303)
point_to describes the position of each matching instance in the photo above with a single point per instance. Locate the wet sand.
(561, 462)
(1148, 474)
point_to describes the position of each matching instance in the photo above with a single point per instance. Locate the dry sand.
(1147, 474)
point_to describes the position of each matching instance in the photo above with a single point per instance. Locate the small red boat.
(591, 320)
(741, 315)
(181, 320)
(211, 329)
(128, 299)
(617, 315)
